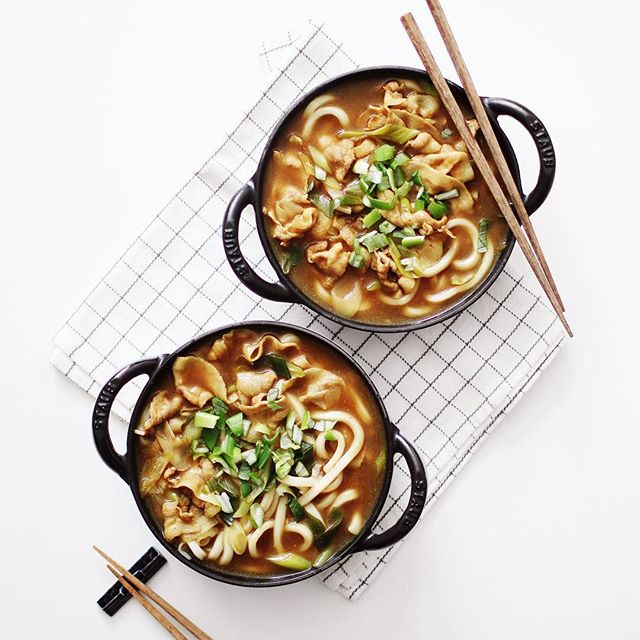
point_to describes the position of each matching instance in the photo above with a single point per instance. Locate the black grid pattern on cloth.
(445, 387)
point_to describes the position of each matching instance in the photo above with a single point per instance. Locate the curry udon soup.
(262, 453)
(374, 207)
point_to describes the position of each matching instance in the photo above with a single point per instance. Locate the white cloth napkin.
(445, 387)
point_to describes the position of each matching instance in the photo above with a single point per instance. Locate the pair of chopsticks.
(533, 252)
(135, 586)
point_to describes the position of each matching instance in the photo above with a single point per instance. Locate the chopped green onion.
(292, 257)
(418, 205)
(355, 260)
(244, 473)
(279, 365)
(283, 459)
(381, 461)
(256, 515)
(329, 435)
(274, 406)
(210, 437)
(446, 133)
(290, 421)
(386, 227)
(377, 241)
(437, 210)
(398, 177)
(322, 557)
(250, 456)
(273, 394)
(334, 522)
(205, 420)
(228, 445)
(296, 371)
(403, 190)
(301, 470)
(296, 508)
(374, 175)
(263, 453)
(371, 218)
(310, 184)
(410, 263)
(296, 435)
(227, 518)
(384, 153)
(290, 561)
(351, 199)
(400, 159)
(482, 236)
(416, 179)
(447, 195)
(376, 203)
(320, 173)
(235, 425)
(225, 502)
(307, 421)
(361, 166)
(457, 279)
(305, 453)
(412, 241)
(322, 202)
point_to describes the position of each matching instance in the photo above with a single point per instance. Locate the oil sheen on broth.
(373, 206)
(253, 456)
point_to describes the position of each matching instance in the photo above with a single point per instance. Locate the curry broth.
(354, 97)
(367, 479)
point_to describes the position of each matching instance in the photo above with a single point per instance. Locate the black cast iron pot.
(127, 468)
(284, 290)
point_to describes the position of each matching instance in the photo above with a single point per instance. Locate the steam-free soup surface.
(262, 453)
(374, 207)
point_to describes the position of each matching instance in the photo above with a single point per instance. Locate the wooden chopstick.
(167, 624)
(458, 118)
(481, 115)
(160, 601)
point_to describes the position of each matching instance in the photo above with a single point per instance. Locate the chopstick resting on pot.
(133, 585)
(431, 66)
(450, 42)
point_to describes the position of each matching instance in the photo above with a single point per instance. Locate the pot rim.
(209, 569)
(257, 181)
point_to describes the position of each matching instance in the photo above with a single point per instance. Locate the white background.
(105, 107)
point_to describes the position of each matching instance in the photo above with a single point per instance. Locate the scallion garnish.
(210, 437)
(250, 456)
(437, 210)
(301, 471)
(376, 241)
(256, 515)
(446, 133)
(291, 257)
(482, 235)
(329, 435)
(376, 203)
(228, 445)
(279, 365)
(296, 508)
(410, 263)
(447, 195)
(205, 420)
(320, 173)
(225, 502)
(403, 190)
(374, 175)
(322, 202)
(384, 153)
(399, 160)
(361, 166)
(371, 218)
(386, 227)
(283, 459)
(412, 241)
(235, 425)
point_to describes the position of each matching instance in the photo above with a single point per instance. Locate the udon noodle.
(374, 207)
(254, 456)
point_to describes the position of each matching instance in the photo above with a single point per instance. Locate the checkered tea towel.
(445, 387)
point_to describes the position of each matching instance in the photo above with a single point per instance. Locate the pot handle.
(271, 290)
(417, 499)
(540, 135)
(102, 409)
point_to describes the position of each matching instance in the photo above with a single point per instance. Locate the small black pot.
(284, 290)
(127, 468)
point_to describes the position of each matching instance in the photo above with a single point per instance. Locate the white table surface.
(105, 107)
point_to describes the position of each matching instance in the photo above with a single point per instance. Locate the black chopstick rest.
(144, 569)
